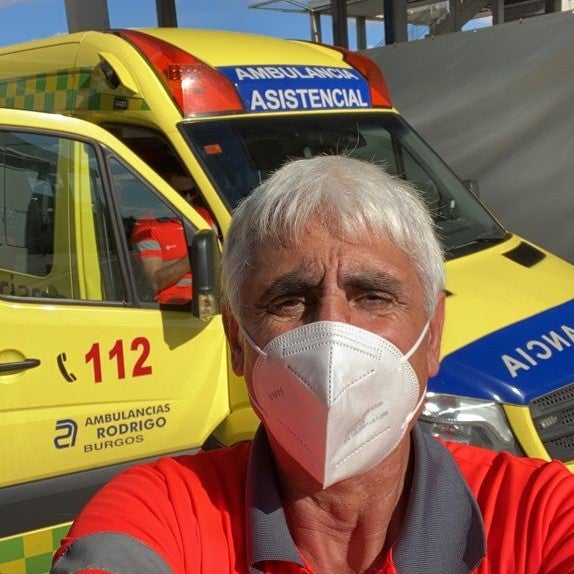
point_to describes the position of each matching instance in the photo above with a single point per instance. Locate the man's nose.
(333, 307)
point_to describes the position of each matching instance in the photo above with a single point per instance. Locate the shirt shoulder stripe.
(109, 552)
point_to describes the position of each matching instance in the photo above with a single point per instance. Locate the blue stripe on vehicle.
(515, 364)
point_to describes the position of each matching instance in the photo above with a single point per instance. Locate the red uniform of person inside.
(162, 247)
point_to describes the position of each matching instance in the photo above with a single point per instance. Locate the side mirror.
(472, 186)
(205, 259)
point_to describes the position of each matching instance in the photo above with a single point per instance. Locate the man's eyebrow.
(375, 279)
(290, 283)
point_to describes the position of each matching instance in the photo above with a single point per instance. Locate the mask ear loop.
(417, 343)
(252, 343)
(407, 356)
(411, 415)
(261, 353)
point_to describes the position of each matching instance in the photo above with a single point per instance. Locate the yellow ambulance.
(230, 108)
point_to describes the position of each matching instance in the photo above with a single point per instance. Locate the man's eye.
(375, 298)
(287, 305)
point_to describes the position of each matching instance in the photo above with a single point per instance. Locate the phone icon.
(61, 360)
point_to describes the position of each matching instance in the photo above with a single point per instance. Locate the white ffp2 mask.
(338, 398)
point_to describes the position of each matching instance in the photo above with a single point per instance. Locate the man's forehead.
(314, 248)
(320, 251)
(311, 270)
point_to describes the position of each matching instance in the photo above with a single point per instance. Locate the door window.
(56, 237)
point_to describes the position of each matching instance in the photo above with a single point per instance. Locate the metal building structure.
(439, 16)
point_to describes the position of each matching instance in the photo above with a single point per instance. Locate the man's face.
(372, 285)
(184, 185)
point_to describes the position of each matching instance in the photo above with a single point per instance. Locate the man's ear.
(231, 328)
(435, 337)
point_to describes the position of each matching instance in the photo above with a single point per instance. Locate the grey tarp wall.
(498, 105)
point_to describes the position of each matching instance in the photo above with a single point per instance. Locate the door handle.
(19, 365)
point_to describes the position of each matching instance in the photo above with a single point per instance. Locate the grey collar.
(443, 531)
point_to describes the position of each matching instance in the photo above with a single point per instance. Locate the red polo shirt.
(219, 512)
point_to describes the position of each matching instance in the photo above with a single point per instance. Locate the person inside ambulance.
(186, 187)
(162, 247)
(334, 281)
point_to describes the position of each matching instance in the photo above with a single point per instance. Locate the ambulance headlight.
(468, 421)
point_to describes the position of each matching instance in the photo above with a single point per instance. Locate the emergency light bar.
(196, 88)
(380, 95)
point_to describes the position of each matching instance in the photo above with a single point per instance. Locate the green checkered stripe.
(80, 89)
(31, 553)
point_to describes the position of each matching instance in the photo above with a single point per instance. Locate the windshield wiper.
(475, 244)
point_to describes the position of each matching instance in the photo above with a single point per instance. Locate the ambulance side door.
(93, 372)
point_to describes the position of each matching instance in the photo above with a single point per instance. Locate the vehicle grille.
(553, 417)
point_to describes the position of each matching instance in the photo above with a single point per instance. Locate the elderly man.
(334, 283)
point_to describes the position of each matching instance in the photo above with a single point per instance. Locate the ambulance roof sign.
(298, 88)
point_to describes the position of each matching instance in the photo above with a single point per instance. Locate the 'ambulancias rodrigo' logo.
(66, 430)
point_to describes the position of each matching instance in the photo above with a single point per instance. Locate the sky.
(22, 20)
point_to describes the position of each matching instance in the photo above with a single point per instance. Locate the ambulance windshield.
(238, 153)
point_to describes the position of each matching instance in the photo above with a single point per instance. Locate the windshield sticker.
(212, 149)
(517, 363)
(296, 88)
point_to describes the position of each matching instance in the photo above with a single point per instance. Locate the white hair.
(346, 196)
